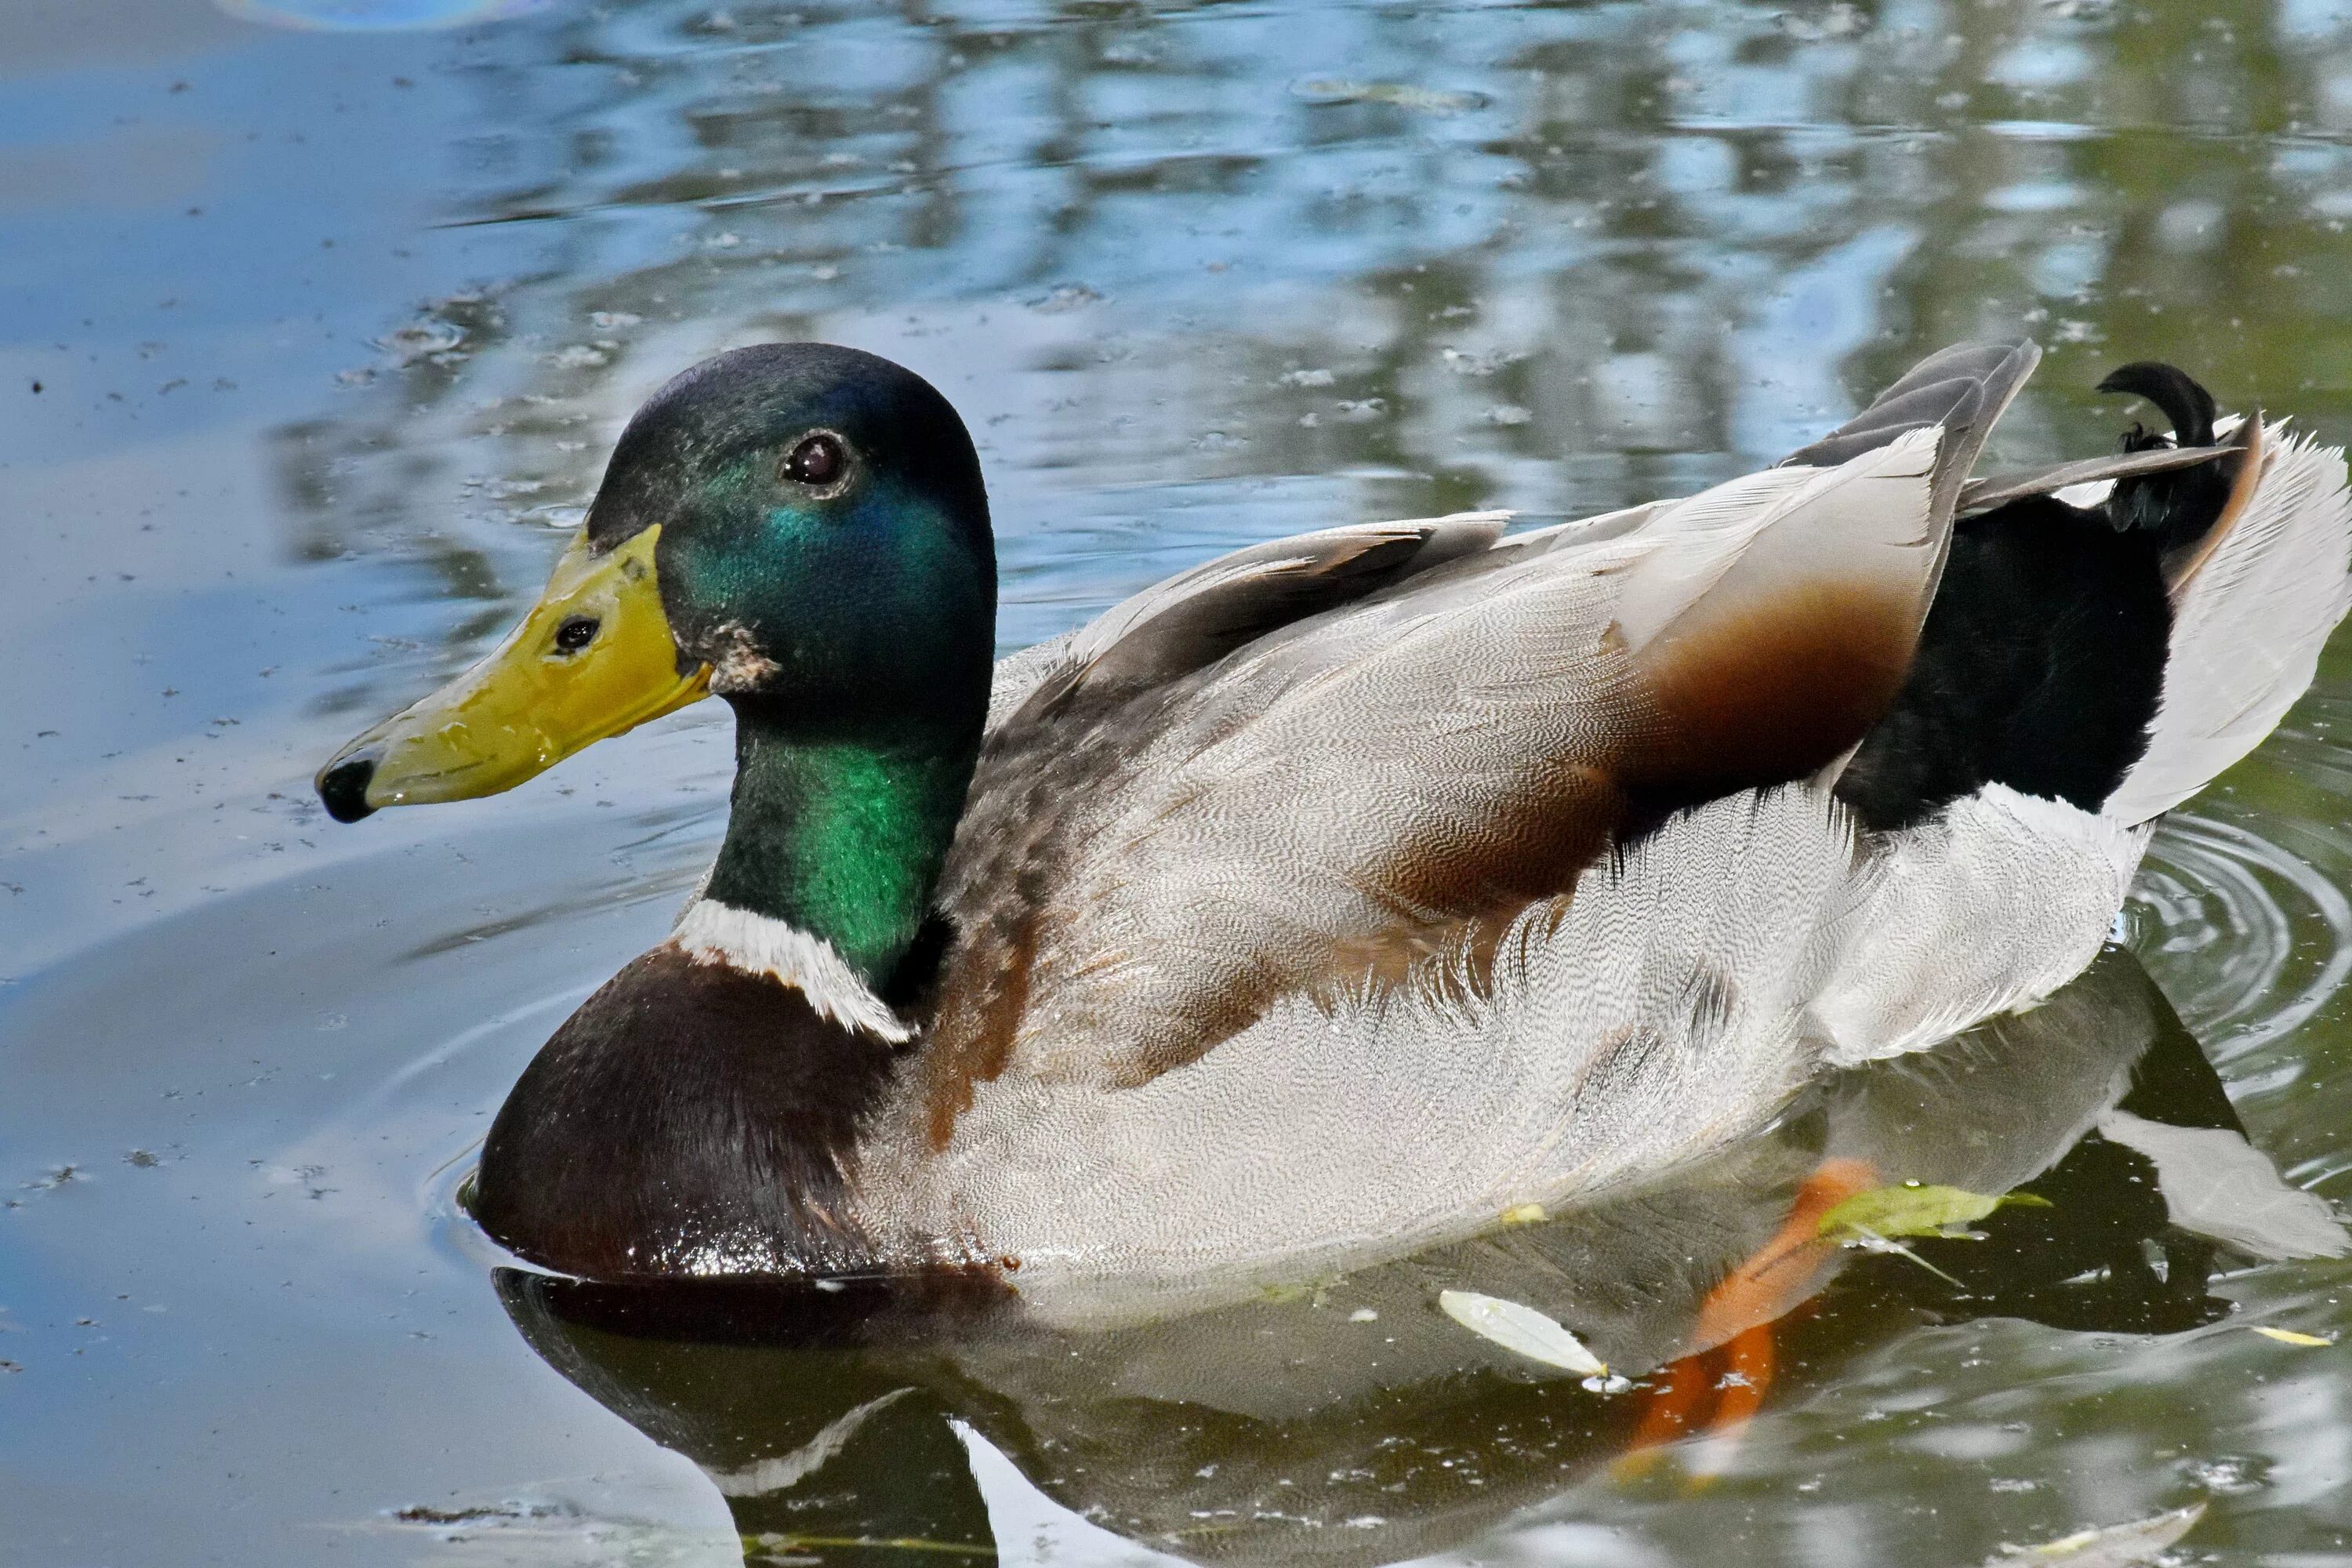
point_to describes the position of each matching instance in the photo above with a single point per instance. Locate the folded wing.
(1165, 838)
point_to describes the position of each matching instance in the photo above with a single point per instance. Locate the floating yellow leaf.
(1522, 1331)
(1914, 1208)
(1525, 1213)
(2290, 1337)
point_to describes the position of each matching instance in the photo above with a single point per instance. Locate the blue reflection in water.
(375, 16)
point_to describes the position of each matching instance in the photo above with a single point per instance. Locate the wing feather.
(1999, 489)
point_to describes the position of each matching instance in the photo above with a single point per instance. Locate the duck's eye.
(817, 460)
(575, 633)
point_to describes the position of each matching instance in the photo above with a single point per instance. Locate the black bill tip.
(342, 787)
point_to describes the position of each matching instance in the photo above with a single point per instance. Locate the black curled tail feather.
(2180, 506)
(2042, 660)
(2176, 395)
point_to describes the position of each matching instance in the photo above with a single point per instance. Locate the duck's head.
(802, 530)
(798, 527)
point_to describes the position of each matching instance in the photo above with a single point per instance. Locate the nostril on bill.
(343, 788)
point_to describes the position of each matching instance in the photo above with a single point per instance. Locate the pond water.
(317, 318)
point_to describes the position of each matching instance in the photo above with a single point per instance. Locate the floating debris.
(422, 339)
(2110, 1546)
(1915, 1208)
(1522, 1331)
(2292, 1337)
(2227, 1475)
(1066, 297)
(1871, 1220)
(1323, 91)
(1525, 1213)
(1483, 362)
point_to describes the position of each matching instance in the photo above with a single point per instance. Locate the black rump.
(2041, 661)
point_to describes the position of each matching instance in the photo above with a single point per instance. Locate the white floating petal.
(2109, 1546)
(1522, 1331)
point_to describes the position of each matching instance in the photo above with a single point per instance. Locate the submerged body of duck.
(1342, 895)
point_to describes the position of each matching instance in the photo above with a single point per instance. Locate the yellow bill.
(594, 657)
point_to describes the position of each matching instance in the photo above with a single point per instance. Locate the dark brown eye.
(575, 633)
(818, 460)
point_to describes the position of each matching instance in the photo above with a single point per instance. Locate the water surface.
(316, 319)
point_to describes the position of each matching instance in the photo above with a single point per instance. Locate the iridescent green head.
(824, 543)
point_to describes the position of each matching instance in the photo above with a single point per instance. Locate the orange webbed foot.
(1738, 1359)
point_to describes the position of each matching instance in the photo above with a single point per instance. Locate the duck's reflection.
(1350, 1421)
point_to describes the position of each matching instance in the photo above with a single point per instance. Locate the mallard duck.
(1342, 895)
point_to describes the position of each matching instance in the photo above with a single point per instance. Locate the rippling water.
(316, 319)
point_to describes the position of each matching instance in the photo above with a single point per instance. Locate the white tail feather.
(2248, 628)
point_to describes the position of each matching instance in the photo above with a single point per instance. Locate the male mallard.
(1341, 895)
